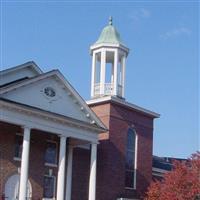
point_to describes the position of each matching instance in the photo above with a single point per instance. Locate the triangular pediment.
(51, 92)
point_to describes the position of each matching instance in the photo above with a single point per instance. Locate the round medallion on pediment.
(49, 92)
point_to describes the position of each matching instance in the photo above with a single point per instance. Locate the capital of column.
(26, 127)
(62, 136)
(94, 143)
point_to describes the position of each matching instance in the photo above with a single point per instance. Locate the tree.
(182, 183)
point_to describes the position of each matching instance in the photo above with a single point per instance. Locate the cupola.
(108, 64)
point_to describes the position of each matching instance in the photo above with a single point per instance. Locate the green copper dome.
(109, 35)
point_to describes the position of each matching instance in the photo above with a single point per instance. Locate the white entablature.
(108, 64)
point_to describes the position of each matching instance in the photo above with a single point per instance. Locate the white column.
(69, 173)
(93, 163)
(61, 169)
(93, 79)
(24, 164)
(103, 72)
(115, 72)
(123, 74)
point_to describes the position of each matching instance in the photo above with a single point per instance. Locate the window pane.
(50, 154)
(48, 187)
(129, 179)
(130, 160)
(18, 146)
(131, 140)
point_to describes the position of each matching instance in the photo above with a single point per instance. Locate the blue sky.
(162, 67)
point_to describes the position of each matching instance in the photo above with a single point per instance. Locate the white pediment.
(52, 93)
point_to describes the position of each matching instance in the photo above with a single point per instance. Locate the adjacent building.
(162, 165)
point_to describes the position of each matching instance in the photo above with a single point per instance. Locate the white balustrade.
(108, 89)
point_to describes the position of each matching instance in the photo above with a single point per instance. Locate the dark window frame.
(130, 180)
(55, 163)
(18, 146)
(53, 193)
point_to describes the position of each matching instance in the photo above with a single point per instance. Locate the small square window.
(18, 146)
(51, 153)
(49, 187)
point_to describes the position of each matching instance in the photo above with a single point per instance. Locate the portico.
(54, 110)
(83, 134)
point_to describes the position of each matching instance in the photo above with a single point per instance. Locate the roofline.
(124, 103)
(29, 63)
(170, 157)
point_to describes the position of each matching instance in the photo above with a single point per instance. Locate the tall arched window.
(130, 159)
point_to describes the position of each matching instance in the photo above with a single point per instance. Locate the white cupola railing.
(109, 89)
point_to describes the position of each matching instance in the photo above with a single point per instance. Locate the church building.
(56, 146)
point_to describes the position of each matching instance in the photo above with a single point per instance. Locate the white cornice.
(47, 124)
(123, 103)
(49, 116)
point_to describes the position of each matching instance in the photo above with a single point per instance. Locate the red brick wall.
(80, 179)
(7, 165)
(111, 151)
(37, 169)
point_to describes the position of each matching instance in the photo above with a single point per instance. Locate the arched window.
(130, 159)
(12, 188)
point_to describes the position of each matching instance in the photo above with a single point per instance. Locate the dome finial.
(110, 20)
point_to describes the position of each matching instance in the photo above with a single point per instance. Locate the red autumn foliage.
(182, 183)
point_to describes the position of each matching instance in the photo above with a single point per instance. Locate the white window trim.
(17, 158)
(135, 163)
(54, 188)
(52, 164)
(20, 134)
(136, 150)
